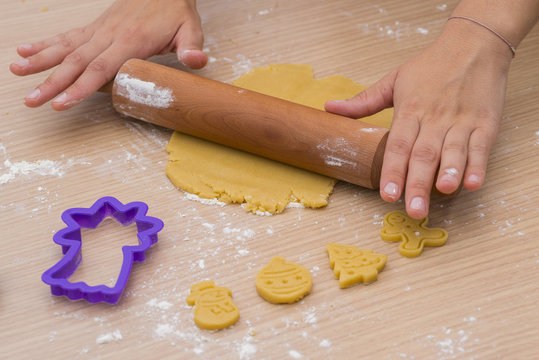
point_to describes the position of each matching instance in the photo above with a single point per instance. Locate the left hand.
(88, 57)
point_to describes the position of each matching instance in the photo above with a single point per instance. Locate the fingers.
(453, 159)
(376, 98)
(26, 50)
(66, 73)
(98, 72)
(189, 41)
(46, 54)
(195, 59)
(424, 161)
(415, 148)
(400, 142)
(479, 146)
(85, 58)
(411, 160)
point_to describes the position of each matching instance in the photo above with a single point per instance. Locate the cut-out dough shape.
(215, 171)
(214, 308)
(413, 234)
(283, 282)
(352, 265)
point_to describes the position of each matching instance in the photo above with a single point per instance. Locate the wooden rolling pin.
(328, 144)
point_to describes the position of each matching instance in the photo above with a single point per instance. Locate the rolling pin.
(311, 139)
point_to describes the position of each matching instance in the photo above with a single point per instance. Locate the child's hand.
(448, 105)
(90, 56)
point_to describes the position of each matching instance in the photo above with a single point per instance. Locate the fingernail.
(391, 189)
(417, 203)
(33, 95)
(183, 53)
(474, 179)
(451, 171)
(60, 99)
(447, 178)
(22, 63)
(25, 46)
(449, 175)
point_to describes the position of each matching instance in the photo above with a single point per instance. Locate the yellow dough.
(352, 265)
(413, 234)
(214, 308)
(283, 282)
(215, 171)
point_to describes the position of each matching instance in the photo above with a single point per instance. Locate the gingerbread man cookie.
(352, 265)
(214, 308)
(413, 234)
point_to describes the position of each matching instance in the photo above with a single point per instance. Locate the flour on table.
(116, 335)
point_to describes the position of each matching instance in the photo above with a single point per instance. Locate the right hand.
(448, 105)
(90, 56)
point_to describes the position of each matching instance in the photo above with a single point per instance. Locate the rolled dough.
(214, 171)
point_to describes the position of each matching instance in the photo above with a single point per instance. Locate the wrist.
(473, 41)
(512, 19)
(486, 27)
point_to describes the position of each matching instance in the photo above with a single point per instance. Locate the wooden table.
(476, 297)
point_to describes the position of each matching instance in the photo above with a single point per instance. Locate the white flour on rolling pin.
(143, 92)
(334, 146)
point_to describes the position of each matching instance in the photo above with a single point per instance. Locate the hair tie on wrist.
(511, 47)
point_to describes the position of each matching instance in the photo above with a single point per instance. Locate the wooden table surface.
(474, 298)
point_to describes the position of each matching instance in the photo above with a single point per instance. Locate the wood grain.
(475, 297)
(328, 144)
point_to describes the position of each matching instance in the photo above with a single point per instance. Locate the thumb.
(368, 102)
(189, 41)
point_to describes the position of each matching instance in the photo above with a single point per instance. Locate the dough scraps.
(213, 171)
(214, 308)
(413, 234)
(283, 282)
(352, 265)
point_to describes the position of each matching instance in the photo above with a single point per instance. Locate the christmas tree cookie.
(352, 265)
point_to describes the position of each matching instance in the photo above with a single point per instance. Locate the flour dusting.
(163, 330)
(116, 335)
(12, 170)
(369, 130)
(335, 161)
(163, 305)
(335, 147)
(295, 354)
(325, 343)
(194, 197)
(143, 92)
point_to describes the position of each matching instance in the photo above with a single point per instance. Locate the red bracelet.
(511, 47)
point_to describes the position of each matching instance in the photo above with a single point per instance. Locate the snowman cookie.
(214, 308)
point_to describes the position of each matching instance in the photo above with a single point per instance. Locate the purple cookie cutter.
(70, 238)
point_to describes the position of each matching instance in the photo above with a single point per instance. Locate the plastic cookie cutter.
(70, 239)
(413, 234)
